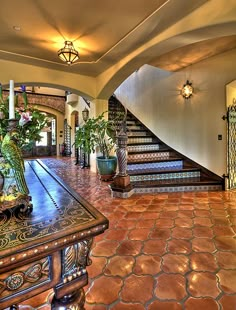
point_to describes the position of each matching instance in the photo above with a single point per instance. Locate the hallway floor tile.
(166, 251)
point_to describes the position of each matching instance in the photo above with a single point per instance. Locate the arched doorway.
(48, 144)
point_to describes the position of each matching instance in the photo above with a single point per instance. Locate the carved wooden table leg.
(74, 301)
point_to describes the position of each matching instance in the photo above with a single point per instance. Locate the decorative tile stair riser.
(137, 133)
(148, 156)
(134, 127)
(178, 164)
(143, 148)
(140, 140)
(169, 189)
(164, 176)
(131, 123)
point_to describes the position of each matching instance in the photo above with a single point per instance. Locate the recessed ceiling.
(96, 28)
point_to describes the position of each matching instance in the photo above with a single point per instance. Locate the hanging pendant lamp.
(187, 90)
(68, 53)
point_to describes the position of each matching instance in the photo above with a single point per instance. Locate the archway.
(48, 144)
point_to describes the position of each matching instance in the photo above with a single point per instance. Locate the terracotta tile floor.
(166, 251)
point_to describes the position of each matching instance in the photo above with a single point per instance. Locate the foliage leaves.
(97, 133)
(30, 132)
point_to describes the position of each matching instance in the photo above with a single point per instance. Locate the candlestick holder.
(15, 192)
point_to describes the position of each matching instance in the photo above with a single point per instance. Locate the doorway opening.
(48, 144)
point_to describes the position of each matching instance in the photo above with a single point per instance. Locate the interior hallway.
(167, 251)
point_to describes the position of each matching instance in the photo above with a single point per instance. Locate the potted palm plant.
(99, 134)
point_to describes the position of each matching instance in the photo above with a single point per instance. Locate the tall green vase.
(107, 167)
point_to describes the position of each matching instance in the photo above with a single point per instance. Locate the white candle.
(11, 101)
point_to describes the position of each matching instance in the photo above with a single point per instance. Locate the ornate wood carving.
(17, 280)
(75, 259)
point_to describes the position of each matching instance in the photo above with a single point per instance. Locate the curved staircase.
(153, 166)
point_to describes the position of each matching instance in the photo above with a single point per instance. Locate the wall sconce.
(85, 114)
(187, 90)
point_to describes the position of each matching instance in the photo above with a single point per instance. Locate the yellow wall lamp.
(187, 90)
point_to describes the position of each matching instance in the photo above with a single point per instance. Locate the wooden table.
(48, 248)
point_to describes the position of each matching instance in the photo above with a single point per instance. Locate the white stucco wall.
(189, 126)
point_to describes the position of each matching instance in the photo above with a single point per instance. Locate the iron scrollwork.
(231, 137)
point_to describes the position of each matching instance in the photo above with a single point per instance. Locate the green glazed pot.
(107, 167)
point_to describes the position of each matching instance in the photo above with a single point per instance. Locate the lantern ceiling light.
(187, 90)
(68, 53)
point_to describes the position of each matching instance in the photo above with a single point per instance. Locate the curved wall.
(189, 126)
